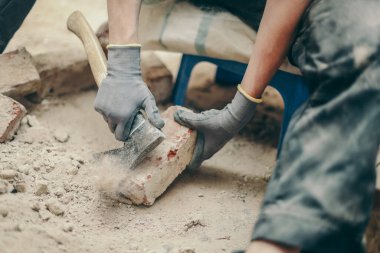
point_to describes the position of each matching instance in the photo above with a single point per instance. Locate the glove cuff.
(124, 60)
(247, 96)
(123, 45)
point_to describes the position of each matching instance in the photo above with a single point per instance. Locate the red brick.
(153, 176)
(11, 114)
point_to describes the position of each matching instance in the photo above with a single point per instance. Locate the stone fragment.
(68, 227)
(159, 169)
(3, 211)
(64, 72)
(3, 186)
(55, 207)
(41, 188)
(8, 174)
(61, 135)
(32, 121)
(18, 75)
(20, 186)
(35, 207)
(72, 171)
(11, 114)
(44, 214)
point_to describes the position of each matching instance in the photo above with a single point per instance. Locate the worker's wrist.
(248, 96)
(124, 45)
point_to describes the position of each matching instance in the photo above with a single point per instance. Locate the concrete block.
(11, 114)
(64, 72)
(153, 176)
(18, 75)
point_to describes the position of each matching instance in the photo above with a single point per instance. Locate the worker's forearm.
(276, 31)
(123, 20)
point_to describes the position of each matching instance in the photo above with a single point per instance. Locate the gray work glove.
(216, 127)
(123, 92)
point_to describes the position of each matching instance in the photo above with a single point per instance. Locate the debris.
(41, 188)
(8, 174)
(55, 207)
(11, 114)
(44, 214)
(183, 250)
(227, 237)
(61, 135)
(35, 207)
(195, 222)
(72, 171)
(20, 186)
(32, 121)
(3, 212)
(68, 227)
(3, 186)
(18, 75)
(63, 71)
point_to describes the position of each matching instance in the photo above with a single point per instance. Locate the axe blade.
(143, 138)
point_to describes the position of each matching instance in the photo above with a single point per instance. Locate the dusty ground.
(211, 211)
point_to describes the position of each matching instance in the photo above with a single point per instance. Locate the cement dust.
(108, 175)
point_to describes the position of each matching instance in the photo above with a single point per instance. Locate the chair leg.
(183, 77)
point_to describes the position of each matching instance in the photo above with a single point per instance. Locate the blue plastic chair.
(291, 87)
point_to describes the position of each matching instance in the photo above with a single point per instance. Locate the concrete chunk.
(18, 75)
(153, 176)
(11, 114)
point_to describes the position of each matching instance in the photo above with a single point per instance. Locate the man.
(12, 14)
(320, 195)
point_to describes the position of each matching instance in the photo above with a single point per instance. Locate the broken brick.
(11, 114)
(153, 176)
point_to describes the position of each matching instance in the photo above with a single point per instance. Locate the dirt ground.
(210, 211)
(57, 208)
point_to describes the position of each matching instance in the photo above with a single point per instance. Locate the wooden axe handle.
(78, 24)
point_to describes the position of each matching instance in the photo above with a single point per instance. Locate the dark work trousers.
(321, 192)
(12, 14)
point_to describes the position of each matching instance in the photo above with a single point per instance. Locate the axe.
(143, 137)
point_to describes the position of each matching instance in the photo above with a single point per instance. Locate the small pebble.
(68, 227)
(41, 188)
(72, 171)
(44, 214)
(36, 207)
(20, 186)
(3, 186)
(8, 174)
(61, 135)
(32, 121)
(55, 207)
(3, 212)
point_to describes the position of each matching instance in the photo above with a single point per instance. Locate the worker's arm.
(272, 43)
(276, 30)
(123, 92)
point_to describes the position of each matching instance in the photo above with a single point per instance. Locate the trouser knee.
(337, 40)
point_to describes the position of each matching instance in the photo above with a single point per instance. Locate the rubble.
(11, 114)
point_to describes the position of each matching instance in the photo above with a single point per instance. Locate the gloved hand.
(216, 127)
(123, 92)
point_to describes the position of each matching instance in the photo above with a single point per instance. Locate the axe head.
(144, 137)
